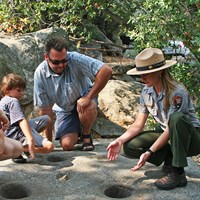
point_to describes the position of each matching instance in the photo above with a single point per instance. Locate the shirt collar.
(48, 71)
(151, 90)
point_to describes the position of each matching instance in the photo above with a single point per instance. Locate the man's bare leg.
(68, 141)
(87, 119)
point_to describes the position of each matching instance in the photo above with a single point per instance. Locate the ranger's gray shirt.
(64, 90)
(179, 101)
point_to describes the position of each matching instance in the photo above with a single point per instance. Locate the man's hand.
(82, 103)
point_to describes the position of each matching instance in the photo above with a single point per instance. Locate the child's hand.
(4, 122)
(31, 148)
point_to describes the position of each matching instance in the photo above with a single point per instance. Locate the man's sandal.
(87, 146)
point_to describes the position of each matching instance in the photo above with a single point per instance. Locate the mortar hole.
(55, 159)
(14, 191)
(118, 191)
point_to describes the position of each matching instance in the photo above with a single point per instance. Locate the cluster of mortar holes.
(14, 191)
(53, 158)
(118, 191)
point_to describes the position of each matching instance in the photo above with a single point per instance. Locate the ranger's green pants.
(184, 142)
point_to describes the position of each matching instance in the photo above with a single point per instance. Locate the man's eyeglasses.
(57, 62)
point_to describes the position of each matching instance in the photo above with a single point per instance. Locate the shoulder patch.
(177, 101)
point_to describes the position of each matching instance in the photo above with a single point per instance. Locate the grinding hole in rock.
(14, 191)
(118, 191)
(53, 158)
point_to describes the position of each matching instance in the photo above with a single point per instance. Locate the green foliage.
(189, 75)
(150, 123)
(147, 22)
(158, 21)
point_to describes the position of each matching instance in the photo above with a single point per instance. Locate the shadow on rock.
(153, 174)
(53, 159)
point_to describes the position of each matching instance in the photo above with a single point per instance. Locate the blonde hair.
(12, 81)
(169, 84)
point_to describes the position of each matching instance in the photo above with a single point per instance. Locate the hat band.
(149, 67)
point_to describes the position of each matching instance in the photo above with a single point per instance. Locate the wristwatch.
(150, 151)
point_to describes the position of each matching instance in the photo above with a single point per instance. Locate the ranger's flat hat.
(150, 60)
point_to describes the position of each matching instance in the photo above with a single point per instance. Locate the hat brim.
(134, 71)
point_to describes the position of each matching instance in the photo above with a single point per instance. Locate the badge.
(177, 101)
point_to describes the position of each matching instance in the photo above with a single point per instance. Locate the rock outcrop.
(117, 101)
